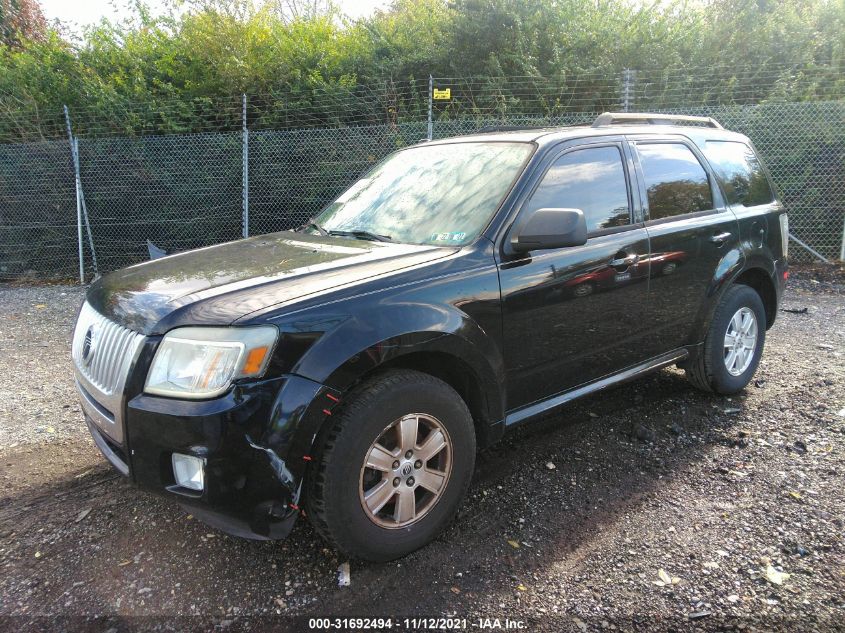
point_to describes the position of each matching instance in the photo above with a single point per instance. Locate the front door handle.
(628, 260)
(720, 238)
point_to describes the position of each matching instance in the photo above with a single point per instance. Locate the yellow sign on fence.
(446, 93)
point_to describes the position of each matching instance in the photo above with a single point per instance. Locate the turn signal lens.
(255, 361)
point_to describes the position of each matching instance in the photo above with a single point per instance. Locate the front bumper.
(253, 439)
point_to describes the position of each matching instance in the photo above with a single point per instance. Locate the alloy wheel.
(406, 471)
(740, 341)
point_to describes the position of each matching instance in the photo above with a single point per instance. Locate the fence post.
(78, 182)
(627, 89)
(809, 249)
(85, 219)
(430, 135)
(842, 247)
(81, 208)
(245, 185)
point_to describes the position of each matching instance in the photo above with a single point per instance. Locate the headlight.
(201, 362)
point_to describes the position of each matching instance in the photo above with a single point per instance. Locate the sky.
(78, 13)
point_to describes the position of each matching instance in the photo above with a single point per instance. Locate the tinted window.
(592, 180)
(675, 181)
(740, 172)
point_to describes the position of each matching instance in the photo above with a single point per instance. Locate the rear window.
(676, 183)
(740, 172)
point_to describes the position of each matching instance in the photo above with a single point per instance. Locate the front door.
(572, 315)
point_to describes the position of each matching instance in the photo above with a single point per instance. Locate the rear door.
(572, 315)
(692, 233)
(749, 194)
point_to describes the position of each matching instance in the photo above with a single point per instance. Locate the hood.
(219, 284)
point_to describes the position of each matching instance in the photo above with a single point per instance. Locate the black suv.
(350, 369)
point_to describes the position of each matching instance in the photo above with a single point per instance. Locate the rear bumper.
(248, 437)
(781, 275)
(779, 278)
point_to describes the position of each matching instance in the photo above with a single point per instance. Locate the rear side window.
(675, 181)
(740, 171)
(590, 179)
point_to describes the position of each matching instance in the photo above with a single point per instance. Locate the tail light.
(784, 234)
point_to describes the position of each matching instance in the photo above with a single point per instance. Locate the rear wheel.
(733, 345)
(394, 467)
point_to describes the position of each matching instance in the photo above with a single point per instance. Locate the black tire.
(332, 496)
(708, 371)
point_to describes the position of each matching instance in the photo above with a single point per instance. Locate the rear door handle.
(720, 238)
(628, 260)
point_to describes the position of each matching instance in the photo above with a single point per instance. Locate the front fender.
(300, 408)
(328, 344)
(356, 350)
(326, 348)
(457, 314)
(303, 405)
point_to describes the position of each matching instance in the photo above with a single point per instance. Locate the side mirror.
(550, 228)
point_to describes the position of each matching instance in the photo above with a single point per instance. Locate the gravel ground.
(649, 507)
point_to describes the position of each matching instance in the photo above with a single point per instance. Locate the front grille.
(103, 351)
(103, 354)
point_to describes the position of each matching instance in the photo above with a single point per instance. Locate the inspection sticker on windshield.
(448, 237)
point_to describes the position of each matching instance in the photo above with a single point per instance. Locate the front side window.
(590, 179)
(675, 181)
(431, 194)
(740, 171)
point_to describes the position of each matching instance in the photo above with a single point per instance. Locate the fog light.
(189, 471)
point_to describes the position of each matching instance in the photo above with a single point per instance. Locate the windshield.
(431, 194)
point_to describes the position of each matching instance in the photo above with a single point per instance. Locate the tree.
(21, 20)
(303, 64)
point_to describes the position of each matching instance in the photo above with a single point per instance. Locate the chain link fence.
(38, 229)
(183, 191)
(177, 191)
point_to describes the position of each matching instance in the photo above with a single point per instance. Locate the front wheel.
(733, 345)
(394, 467)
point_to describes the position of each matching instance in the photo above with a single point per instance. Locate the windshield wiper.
(316, 227)
(363, 235)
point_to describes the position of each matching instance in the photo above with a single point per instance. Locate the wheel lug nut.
(395, 482)
(410, 481)
(408, 454)
(396, 464)
(418, 464)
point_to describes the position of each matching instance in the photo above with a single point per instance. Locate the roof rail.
(610, 118)
(508, 128)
